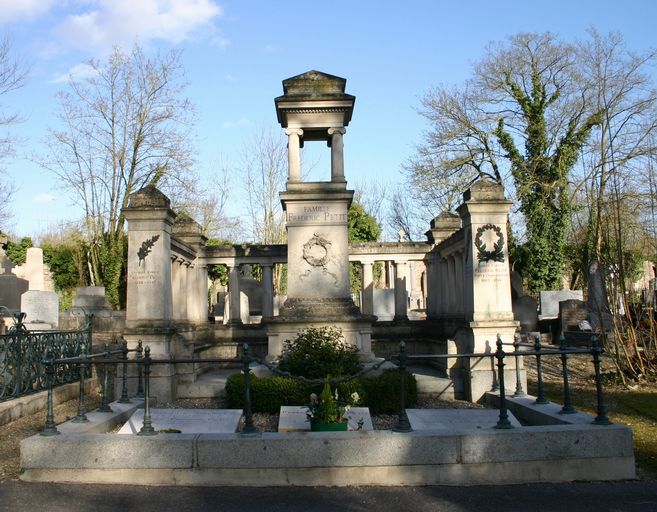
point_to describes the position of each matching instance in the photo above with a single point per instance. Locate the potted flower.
(328, 411)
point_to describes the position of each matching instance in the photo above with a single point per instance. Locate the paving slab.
(455, 419)
(292, 418)
(188, 421)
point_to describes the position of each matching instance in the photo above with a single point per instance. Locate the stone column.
(294, 153)
(178, 289)
(337, 154)
(234, 313)
(367, 307)
(197, 293)
(401, 298)
(267, 291)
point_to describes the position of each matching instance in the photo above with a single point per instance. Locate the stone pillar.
(267, 291)
(294, 153)
(367, 307)
(337, 154)
(34, 268)
(149, 298)
(194, 284)
(401, 295)
(460, 283)
(486, 283)
(234, 313)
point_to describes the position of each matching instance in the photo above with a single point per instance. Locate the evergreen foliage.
(319, 353)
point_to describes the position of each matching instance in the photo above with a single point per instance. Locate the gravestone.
(11, 286)
(571, 313)
(91, 300)
(549, 302)
(187, 421)
(597, 303)
(525, 312)
(244, 308)
(384, 304)
(252, 288)
(41, 310)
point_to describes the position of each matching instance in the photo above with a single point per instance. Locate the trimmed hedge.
(379, 393)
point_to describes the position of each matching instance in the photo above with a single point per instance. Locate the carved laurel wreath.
(497, 254)
(316, 241)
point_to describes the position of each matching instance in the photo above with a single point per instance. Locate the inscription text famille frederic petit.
(316, 213)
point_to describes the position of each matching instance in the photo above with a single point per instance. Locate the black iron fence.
(23, 354)
(144, 364)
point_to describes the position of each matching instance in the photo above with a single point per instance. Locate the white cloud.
(45, 197)
(110, 22)
(23, 10)
(76, 73)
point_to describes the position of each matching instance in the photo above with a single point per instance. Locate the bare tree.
(13, 75)
(206, 203)
(123, 127)
(264, 170)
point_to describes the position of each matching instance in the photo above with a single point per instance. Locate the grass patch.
(636, 408)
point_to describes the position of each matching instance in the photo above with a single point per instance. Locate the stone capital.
(340, 130)
(294, 131)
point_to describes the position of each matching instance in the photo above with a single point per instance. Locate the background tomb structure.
(459, 276)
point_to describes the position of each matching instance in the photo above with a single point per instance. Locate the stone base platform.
(466, 454)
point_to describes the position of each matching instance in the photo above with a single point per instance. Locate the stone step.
(431, 381)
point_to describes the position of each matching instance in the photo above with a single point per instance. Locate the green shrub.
(317, 353)
(267, 393)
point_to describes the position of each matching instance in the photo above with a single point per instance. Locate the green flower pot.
(319, 426)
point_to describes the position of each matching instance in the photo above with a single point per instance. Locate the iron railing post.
(104, 404)
(249, 427)
(50, 428)
(147, 427)
(403, 424)
(567, 404)
(140, 374)
(596, 351)
(516, 354)
(82, 408)
(540, 399)
(124, 378)
(503, 422)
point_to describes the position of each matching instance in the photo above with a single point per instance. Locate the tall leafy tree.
(362, 227)
(124, 126)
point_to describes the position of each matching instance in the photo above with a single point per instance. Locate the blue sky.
(236, 53)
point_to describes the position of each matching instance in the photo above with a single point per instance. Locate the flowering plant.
(329, 407)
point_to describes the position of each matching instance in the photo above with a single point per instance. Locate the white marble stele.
(188, 421)
(293, 418)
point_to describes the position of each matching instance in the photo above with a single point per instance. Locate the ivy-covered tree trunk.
(541, 173)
